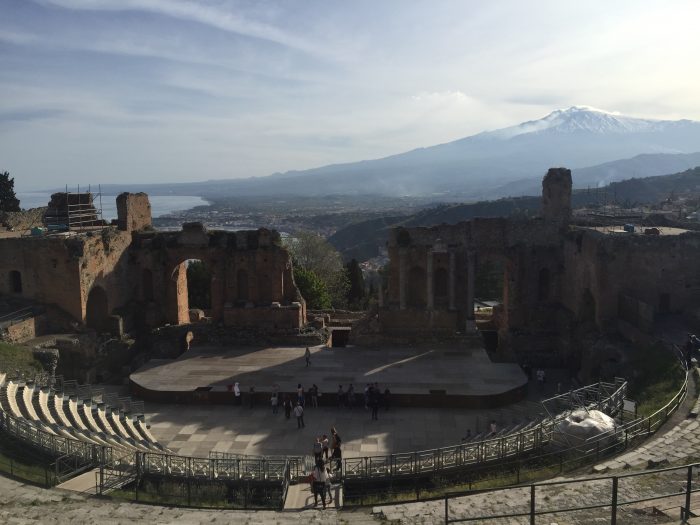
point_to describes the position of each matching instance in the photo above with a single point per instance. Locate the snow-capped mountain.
(586, 119)
(485, 165)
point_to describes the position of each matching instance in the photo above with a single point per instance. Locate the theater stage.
(425, 376)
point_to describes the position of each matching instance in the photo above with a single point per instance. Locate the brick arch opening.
(97, 309)
(190, 286)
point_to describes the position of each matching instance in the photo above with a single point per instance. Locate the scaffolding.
(74, 211)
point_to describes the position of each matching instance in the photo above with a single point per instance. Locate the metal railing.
(604, 396)
(540, 501)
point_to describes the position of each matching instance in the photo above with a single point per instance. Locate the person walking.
(324, 445)
(341, 396)
(287, 406)
(351, 396)
(318, 477)
(374, 402)
(329, 479)
(307, 356)
(251, 396)
(300, 394)
(237, 394)
(318, 449)
(274, 401)
(337, 456)
(299, 413)
(387, 393)
(313, 392)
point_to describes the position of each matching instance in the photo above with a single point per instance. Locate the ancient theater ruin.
(127, 276)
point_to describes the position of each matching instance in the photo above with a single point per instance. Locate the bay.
(160, 204)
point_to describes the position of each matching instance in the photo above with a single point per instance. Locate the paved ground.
(459, 370)
(193, 430)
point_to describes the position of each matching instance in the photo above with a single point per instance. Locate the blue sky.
(181, 90)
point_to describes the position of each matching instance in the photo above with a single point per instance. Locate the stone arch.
(441, 283)
(147, 285)
(15, 281)
(242, 290)
(97, 309)
(417, 287)
(543, 285)
(264, 289)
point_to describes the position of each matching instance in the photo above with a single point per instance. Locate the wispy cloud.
(215, 16)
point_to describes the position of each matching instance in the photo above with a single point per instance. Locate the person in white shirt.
(320, 477)
(299, 413)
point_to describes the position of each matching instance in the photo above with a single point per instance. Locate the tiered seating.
(76, 418)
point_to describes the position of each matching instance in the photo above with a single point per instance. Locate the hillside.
(361, 240)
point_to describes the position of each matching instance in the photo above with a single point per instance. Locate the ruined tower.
(556, 195)
(133, 211)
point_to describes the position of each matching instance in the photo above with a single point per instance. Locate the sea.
(160, 204)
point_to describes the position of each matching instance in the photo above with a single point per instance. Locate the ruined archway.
(147, 285)
(416, 287)
(97, 309)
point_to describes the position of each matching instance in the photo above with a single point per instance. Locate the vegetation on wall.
(8, 199)
(314, 254)
(198, 285)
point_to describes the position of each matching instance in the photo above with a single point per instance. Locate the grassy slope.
(13, 357)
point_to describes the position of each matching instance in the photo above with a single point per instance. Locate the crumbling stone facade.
(556, 277)
(114, 277)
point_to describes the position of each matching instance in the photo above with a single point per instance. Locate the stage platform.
(425, 376)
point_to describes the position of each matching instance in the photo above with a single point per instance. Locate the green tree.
(356, 290)
(198, 285)
(8, 199)
(312, 289)
(312, 252)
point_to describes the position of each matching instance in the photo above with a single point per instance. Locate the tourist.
(313, 392)
(336, 439)
(237, 394)
(337, 456)
(540, 378)
(324, 445)
(251, 396)
(299, 413)
(492, 427)
(367, 387)
(319, 483)
(318, 449)
(273, 402)
(329, 478)
(307, 356)
(374, 402)
(387, 392)
(351, 396)
(287, 406)
(300, 394)
(341, 397)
